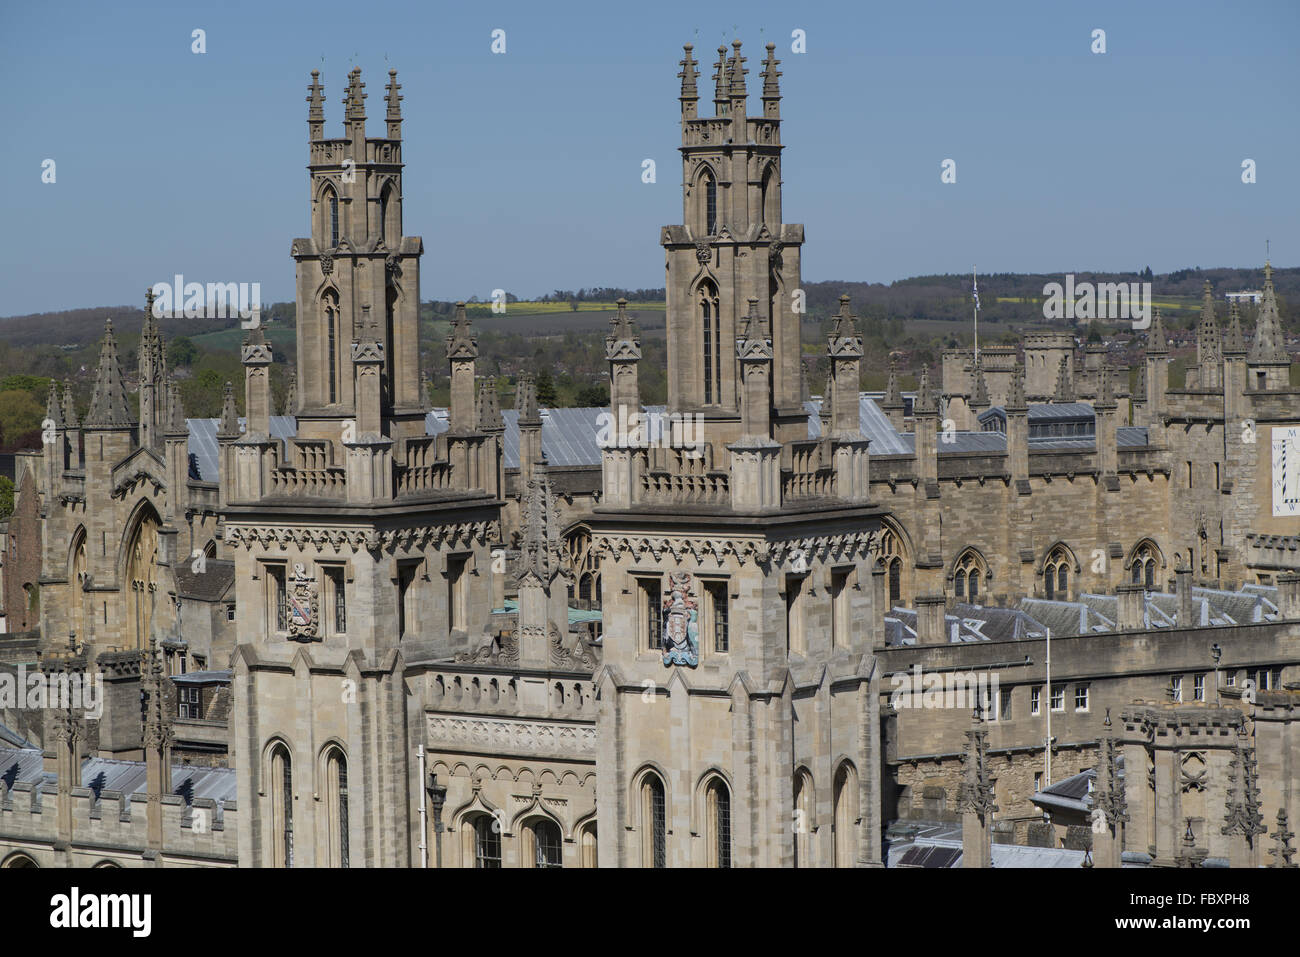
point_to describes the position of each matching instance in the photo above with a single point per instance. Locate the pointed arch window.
(710, 204)
(717, 819)
(281, 793)
(654, 825)
(487, 842)
(711, 336)
(770, 213)
(330, 309)
(77, 579)
(967, 572)
(546, 848)
(141, 558)
(803, 820)
(1143, 566)
(846, 815)
(336, 793)
(1056, 575)
(332, 212)
(891, 553)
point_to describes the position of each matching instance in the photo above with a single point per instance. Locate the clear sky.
(523, 170)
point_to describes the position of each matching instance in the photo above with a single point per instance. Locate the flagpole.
(976, 287)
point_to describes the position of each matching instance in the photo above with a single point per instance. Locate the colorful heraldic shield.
(303, 597)
(681, 645)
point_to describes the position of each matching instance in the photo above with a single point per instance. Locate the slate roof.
(108, 774)
(966, 623)
(211, 584)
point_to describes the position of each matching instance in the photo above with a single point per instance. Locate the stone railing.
(423, 471)
(671, 476)
(809, 476)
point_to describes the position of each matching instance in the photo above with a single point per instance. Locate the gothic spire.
(1016, 398)
(1157, 344)
(176, 424)
(52, 410)
(526, 399)
(354, 98)
(1106, 394)
(461, 342)
(69, 407)
(1209, 349)
(394, 98)
(316, 112)
(1234, 344)
(228, 427)
(108, 405)
(1064, 382)
(1269, 346)
(489, 408)
(980, 399)
(893, 397)
(690, 93)
(720, 99)
(925, 401)
(771, 75)
(738, 71)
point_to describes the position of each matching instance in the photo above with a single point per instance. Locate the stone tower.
(737, 710)
(361, 545)
(732, 246)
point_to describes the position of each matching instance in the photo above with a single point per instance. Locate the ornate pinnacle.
(1269, 346)
(316, 97)
(771, 75)
(394, 98)
(52, 410)
(461, 342)
(738, 71)
(1016, 399)
(1282, 836)
(720, 76)
(69, 407)
(688, 74)
(893, 398)
(924, 397)
(1064, 384)
(354, 98)
(228, 427)
(1157, 344)
(1235, 343)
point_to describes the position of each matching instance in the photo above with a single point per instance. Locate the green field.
(281, 335)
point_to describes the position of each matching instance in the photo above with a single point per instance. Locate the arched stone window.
(330, 205)
(846, 815)
(709, 189)
(587, 845)
(1142, 565)
(486, 836)
(803, 819)
(770, 212)
(654, 823)
(19, 860)
(711, 341)
(891, 555)
(336, 808)
(280, 791)
(389, 228)
(330, 311)
(141, 567)
(968, 571)
(1056, 574)
(542, 844)
(77, 582)
(717, 822)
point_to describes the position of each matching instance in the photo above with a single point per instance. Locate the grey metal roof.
(568, 436)
(107, 774)
(204, 678)
(875, 425)
(1047, 411)
(203, 441)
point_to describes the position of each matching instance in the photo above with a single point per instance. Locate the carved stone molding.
(527, 737)
(849, 546)
(282, 536)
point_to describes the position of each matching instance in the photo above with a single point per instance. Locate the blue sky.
(524, 169)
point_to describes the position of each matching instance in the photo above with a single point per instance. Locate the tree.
(6, 497)
(20, 415)
(591, 396)
(181, 352)
(546, 395)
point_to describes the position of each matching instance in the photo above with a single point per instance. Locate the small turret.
(316, 113)
(771, 84)
(690, 92)
(394, 114)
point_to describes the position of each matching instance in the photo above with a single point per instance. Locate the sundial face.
(1286, 471)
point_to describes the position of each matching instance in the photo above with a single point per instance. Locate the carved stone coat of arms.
(303, 598)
